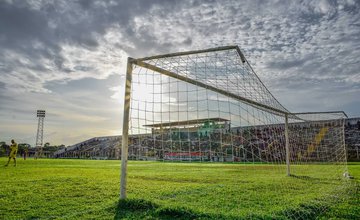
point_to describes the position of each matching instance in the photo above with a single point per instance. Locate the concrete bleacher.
(94, 148)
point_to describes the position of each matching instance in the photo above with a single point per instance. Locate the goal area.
(210, 106)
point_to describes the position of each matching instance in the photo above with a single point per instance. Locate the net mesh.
(212, 107)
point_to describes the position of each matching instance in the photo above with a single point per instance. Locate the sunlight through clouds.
(50, 50)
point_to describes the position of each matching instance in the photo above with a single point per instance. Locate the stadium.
(200, 124)
(180, 110)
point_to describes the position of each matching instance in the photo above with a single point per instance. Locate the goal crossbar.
(196, 52)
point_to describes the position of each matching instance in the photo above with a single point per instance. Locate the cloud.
(50, 49)
(308, 45)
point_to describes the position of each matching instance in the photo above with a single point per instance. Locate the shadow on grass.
(142, 209)
(312, 179)
(303, 177)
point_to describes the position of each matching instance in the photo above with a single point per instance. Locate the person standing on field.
(13, 152)
(26, 151)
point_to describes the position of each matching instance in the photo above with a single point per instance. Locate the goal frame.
(131, 62)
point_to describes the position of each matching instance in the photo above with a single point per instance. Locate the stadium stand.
(203, 143)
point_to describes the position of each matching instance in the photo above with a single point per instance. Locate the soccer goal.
(210, 106)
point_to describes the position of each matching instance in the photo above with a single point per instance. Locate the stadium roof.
(187, 122)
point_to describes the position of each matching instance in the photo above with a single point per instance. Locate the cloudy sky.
(69, 57)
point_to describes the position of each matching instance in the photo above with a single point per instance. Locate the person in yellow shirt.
(13, 152)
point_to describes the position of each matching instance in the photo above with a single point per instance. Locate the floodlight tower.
(40, 131)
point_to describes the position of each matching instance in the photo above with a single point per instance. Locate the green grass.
(86, 189)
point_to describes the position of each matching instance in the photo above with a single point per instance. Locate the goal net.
(210, 106)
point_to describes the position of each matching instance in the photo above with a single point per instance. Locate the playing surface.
(84, 189)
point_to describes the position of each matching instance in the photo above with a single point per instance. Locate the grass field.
(88, 189)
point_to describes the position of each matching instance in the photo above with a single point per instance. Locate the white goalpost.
(210, 106)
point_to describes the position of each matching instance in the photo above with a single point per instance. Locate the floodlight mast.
(40, 114)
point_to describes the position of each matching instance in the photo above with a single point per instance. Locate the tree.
(3, 148)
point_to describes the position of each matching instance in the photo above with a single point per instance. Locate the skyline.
(69, 58)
